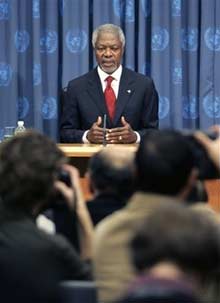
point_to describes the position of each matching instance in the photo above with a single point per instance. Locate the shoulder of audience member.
(63, 250)
(207, 211)
(110, 222)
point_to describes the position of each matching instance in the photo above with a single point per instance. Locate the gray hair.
(108, 28)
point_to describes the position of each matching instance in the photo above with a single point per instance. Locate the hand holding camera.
(206, 152)
(68, 185)
(211, 146)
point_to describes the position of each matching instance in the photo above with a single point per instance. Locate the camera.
(64, 177)
(206, 168)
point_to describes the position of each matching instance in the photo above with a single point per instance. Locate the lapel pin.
(128, 91)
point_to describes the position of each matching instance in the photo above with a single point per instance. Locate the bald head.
(117, 157)
(112, 169)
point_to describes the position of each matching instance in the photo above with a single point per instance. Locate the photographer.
(30, 166)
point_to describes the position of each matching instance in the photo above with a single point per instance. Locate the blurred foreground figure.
(165, 172)
(31, 261)
(177, 252)
(111, 179)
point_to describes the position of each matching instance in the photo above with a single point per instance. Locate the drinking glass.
(8, 132)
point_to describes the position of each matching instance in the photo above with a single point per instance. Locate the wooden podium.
(79, 155)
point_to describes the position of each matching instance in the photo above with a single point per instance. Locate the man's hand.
(73, 194)
(96, 133)
(211, 146)
(124, 134)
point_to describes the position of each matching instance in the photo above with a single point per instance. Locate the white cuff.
(84, 138)
(138, 137)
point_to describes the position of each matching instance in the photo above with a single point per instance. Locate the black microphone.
(104, 130)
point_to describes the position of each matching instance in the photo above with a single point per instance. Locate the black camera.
(64, 176)
(206, 167)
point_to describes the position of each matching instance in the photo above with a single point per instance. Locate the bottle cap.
(20, 123)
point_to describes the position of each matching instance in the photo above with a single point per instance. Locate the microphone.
(104, 130)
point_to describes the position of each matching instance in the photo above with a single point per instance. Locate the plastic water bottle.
(20, 127)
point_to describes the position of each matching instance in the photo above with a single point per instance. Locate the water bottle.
(20, 128)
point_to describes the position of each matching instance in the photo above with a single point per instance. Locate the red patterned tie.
(110, 97)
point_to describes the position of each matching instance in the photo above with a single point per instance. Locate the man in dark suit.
(133, 104)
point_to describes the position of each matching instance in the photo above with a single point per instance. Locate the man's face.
(108, 51)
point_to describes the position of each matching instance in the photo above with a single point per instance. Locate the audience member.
(165, 171)
(180, 248)
(168, 247)
(32, 262)
(111, 179)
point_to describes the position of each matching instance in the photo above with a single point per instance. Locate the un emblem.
(49, 108)
(23, 107)
(36, 9)
(124, 10)
(211, 106)
(160, 39)
(5, 74)
(48, 41)
(146, 7)
(176, 8)
(177, 72)
(164, 107)
(37, 74)
(76, 40)
(22, 40)
(189, 38)
(4, 9)
(212, 38)
(190, 107)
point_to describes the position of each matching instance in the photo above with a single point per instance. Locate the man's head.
(175, 234)
(164, 164)
(108, 41)
(111, 170)
(29, 164)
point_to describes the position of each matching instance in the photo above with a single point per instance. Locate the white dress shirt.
(115, 86)
(115, 82)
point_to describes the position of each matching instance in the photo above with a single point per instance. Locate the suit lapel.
(94, 90)
(126, 90)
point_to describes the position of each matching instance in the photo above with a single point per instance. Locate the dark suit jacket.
(84, 101)
(104, 205)
(33, 262)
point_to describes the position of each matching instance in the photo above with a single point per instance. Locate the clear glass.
(8, 132)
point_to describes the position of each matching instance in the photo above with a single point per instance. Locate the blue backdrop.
(46, 43)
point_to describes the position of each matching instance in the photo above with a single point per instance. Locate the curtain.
(46, 43)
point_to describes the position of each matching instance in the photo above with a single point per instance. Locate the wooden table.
(80, 154)
(87, 150)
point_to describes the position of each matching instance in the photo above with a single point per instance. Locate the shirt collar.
(116, 75)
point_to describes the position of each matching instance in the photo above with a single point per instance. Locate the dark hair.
(179, 235)
(164, 161)
(112, 171)
(28, 166)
